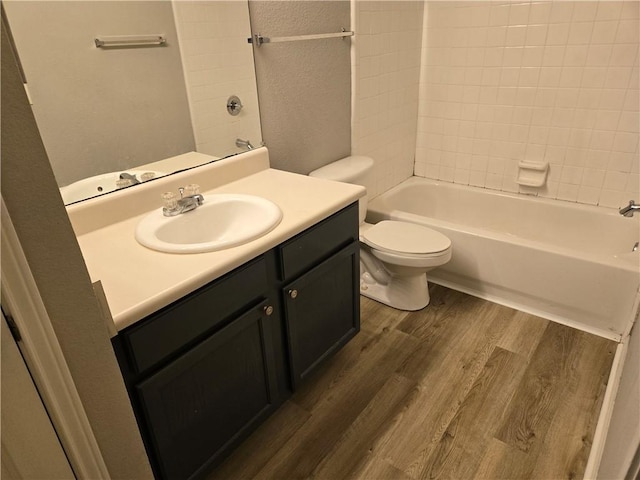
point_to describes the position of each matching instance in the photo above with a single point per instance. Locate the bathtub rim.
(623, 259)
(629, 260)
(599, 209)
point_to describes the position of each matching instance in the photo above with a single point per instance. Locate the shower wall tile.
(505, 81)
(207, 44)
(386, 52)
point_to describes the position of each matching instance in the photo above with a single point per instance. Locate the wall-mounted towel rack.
(259, 39)
(121, 41)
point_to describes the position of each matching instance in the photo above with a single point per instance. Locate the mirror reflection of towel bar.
(259, 39)
(121, 41)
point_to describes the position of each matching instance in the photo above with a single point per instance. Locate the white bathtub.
(563, 261)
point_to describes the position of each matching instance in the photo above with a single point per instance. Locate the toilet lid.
(405, 237)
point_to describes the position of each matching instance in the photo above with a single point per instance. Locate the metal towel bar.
(121, 41)
(259, 39)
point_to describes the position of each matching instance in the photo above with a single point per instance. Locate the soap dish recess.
(532, 174)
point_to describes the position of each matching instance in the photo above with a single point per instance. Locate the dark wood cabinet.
(186, 321)
(205, 371)
(200, 403)
(322, 311)
(321, 270)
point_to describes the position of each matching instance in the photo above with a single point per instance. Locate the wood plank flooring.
(462, 389)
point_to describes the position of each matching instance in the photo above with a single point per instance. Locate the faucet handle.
(169, 200)
(192, 189)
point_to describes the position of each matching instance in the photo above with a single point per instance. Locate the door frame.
(42, 353)
(30, 445)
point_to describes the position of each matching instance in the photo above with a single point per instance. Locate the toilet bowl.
(394, 256)
(394, 259)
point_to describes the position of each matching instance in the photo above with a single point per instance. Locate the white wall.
(504, 81)
(218, 63)
(386, 68)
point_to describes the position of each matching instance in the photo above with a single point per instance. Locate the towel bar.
(130, 41)
(259, 39)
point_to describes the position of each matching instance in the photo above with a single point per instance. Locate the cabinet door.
(197, 407)
(322, 311)
(183, 323)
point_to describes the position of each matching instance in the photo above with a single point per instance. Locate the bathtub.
(566, 262)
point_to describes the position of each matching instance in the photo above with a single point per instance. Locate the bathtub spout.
(630, 209)
(244, 144)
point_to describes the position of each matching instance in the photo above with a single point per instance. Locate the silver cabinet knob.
(293, 293)
(268, 310)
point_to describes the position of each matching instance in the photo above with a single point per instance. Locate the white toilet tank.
(353, 169)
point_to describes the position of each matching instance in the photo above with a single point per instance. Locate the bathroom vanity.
(204, 371)
(228, 335)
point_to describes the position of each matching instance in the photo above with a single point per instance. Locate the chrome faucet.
(131, 178)
(185, 203)
(630, 209)
(244, 144)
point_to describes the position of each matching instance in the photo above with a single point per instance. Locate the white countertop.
(138, 281)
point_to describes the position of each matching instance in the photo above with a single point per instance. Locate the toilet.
(394, 256)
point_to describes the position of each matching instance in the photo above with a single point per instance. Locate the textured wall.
(556, 81)
(102, 110)
(386, 82)
(33, 201)
(218, 63)
(304, 87)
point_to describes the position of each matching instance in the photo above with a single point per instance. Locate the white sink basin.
(223, 221)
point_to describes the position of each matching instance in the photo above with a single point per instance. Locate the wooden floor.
(462, 389)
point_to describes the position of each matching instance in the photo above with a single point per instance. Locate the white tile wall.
(385, 70)
(503, 81)
(218, 63)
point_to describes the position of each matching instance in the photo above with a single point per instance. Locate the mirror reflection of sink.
(223, 221)
(99, 184)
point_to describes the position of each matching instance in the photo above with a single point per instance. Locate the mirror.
(113, 116)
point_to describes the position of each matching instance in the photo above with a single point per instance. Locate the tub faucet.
(630, 209)
(131, 178)
(244, 144)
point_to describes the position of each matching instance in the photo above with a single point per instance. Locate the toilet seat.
(394, 260)
(405, 239)
(395, 256)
